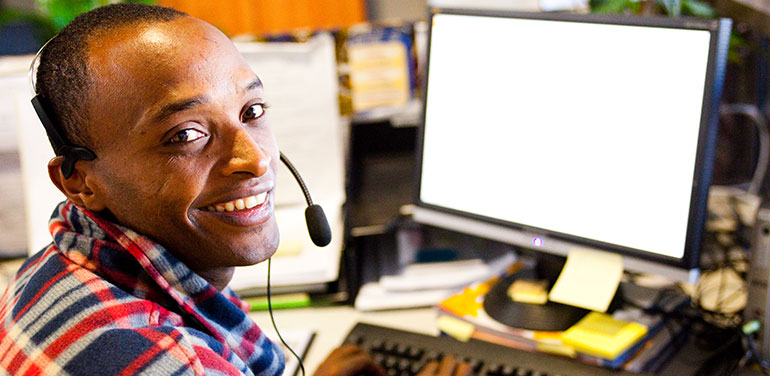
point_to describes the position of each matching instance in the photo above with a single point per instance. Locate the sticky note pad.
(459, 329)
(602, 335)
(529, 291)
(556, 349)
(588, 280)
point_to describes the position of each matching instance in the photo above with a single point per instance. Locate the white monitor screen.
(583, 129)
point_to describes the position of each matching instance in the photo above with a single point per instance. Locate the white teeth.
(239, 204)
(261, 198)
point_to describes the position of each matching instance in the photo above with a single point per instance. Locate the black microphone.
(317, 225)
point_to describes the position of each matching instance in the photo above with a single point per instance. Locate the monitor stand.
(546, 317)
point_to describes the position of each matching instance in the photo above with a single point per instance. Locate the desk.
(332, 324)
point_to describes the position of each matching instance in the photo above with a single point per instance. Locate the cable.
(270, 309)
(747, 331)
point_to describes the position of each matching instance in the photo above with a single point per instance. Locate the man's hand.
(349, 360)
(448, 367)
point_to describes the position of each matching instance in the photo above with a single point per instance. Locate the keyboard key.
(390, 347)
(355, 340)
(475, 365)
(416, 353)
(417, 367)
(522, 372)
(495, 369)
(377, 345)
(433, 355)
(390, 362)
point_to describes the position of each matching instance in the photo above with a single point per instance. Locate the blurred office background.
(380, 126)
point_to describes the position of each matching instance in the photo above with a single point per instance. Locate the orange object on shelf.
(259, 17)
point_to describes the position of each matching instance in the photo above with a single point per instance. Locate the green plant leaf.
(61, 12)
(697, 8)
(45, 28)
(671, 7)
(613, 6)
(739, 47)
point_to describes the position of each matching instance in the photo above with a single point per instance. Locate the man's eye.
(255, 111)
(186, 135)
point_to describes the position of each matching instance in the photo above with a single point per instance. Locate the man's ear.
(79, 187)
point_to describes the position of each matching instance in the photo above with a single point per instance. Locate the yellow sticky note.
(556, 349)
(602, 335)
(459, 329)
(529, 291)
(588, 280)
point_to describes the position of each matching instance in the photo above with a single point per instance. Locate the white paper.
(298, 340)
(372, 297)
(40, 195)
(312, 265)
(14, 83)
(300, 81)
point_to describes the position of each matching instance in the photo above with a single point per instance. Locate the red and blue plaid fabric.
(104, 300)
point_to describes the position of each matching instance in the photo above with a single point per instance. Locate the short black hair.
(63, 75)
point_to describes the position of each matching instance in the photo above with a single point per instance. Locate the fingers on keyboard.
(429, 370)
(448, 366)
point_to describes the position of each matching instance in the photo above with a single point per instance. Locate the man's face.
(184, 151)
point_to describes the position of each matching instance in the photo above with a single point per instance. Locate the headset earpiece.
(61, 146)
(70, 153)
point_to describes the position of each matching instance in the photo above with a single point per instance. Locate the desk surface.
(332, 324)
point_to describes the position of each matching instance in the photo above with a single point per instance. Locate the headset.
(317, 224)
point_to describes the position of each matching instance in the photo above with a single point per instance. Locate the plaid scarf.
(104, 300)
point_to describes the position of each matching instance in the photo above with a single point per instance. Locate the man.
(179, 192)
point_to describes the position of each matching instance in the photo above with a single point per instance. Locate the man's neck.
(219, 277)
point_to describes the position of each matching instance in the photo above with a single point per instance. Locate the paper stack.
(628, 339)
(427, 284)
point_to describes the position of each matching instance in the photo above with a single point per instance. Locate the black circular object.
(552, 317)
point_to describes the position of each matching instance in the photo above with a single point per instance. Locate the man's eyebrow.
(253, 85)
(178, 106)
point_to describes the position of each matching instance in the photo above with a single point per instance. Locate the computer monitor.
(556, 131)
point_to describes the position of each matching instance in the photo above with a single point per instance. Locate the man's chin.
(257, 251)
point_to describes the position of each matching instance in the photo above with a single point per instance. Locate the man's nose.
(247, 156)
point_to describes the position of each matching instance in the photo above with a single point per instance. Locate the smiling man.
(178, 191)
(172, 188)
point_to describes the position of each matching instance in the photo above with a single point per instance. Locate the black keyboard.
(404, 353)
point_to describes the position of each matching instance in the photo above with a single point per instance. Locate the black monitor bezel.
(719, 30)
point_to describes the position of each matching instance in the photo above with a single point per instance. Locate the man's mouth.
(243, 203)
